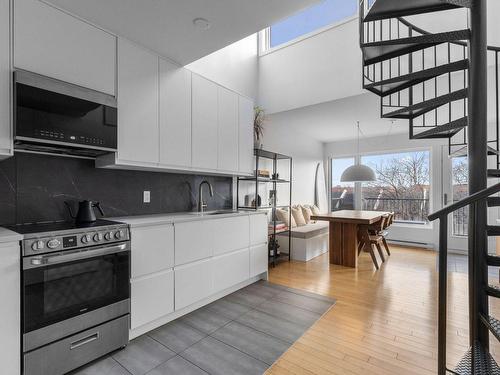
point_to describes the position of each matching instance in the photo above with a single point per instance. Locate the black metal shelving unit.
(275, 157)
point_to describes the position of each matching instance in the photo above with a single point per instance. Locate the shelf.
(271, 232)
(260, 207)
(263, 179)
(270, 155)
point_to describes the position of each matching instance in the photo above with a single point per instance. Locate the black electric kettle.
(85, 212)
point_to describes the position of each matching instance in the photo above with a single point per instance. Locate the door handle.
(445, 199)
(86, 340)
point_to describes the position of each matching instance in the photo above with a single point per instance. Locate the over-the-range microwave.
(55, 117)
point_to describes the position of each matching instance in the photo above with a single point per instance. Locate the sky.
(312, 18)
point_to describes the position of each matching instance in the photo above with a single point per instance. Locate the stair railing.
(442, 216)
(431, 57)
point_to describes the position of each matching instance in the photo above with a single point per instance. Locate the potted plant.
(258, 126)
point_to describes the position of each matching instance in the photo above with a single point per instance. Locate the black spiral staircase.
(439, 83)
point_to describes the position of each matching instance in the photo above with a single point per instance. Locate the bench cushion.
(310, 230)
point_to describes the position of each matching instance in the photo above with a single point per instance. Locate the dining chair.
(370, 239)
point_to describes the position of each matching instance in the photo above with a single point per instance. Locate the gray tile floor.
(240, 334)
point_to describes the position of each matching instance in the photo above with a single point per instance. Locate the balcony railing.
(412, 210)
(460, 221)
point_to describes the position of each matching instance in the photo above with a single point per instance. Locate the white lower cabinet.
(152, 249)
(193, 283)
(258, 259)
(193, 241)
(229, 234)
(230, 269)
(152, 297)
(10, 323)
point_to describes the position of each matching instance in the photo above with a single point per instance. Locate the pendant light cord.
(358, 138)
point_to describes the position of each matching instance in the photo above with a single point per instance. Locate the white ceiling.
(166, 26)
(336, 120)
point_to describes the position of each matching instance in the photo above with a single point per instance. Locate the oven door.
(60, 286)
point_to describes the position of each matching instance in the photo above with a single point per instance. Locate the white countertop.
(179, 217)
(7, 235)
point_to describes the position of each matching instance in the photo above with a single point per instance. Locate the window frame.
(358, 185)
(265, 35)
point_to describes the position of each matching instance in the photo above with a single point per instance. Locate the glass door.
(342, 194)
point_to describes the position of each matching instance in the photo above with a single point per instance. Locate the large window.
(342, 193)
(460, 189)
(402, 186)
(311, 19)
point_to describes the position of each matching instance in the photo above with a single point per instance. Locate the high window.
(402, 186)
(316, 17)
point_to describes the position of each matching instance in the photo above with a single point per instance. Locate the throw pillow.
(298, 216)
(282, 215)
(307, 212)
(315, 210)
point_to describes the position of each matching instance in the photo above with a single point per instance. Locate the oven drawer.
(75, 351)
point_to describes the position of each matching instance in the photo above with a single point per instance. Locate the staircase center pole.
(477, 151)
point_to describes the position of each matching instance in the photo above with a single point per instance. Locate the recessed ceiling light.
(202, 23)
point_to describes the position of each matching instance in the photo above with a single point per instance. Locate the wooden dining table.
(343, 234)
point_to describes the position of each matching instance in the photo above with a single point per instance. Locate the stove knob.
(108, 236)
(97, 237)
(38, 245)
(119, 234)
(85, 238)
(53, 243)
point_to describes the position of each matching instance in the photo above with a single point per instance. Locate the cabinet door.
(152, 249)
(10, 324)
(258, 229)
(258, 259)
(52, 43)
(230, 269)
(193, 282)
(137, 104)
(5, 76)
(193, 241)
(175, 115)
(246, 116)
(228, 130)
(151, 298)
(229, 234)
(205, 138)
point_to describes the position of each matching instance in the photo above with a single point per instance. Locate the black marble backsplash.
(33, 188)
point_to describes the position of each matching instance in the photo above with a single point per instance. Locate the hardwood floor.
(384, 322)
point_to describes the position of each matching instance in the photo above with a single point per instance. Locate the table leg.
(343, 240)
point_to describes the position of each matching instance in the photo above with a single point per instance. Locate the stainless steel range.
(75, 293)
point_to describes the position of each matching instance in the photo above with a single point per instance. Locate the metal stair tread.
(484, 364)
(398, 8)
(494, 173)
(374, 52)
(463, 152)
(493, 201)
(493, 325)
(493, 291)
(443, 131)
(395, 84)
(418, 109)
(493, 230)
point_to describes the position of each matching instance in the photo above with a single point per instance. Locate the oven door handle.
(69, 256)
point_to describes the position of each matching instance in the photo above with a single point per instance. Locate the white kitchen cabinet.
(50, 42)
(138, 129)
(175, 115)
(193, 241)
(193, 283)
(258, 259)
(10, 324)
(5, 82)
(258, 229)
(152, 249)
(230, 269)
(228, 123)
(229, 234)
(152, 297)
(246, 164)
(204, 123)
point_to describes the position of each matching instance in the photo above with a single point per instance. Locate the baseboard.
(423, 245)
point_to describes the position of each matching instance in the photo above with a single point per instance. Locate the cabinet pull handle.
(86, 340)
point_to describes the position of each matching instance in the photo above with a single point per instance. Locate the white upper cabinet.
(52, 43)
(175, 115)
(5, 77)
(246, 116)
(138, 129)
(228, 130)
(205, 129)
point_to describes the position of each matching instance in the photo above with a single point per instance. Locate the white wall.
(235, 66)
(306, 152)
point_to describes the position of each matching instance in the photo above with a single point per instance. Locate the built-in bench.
(308, 241)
